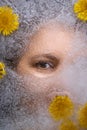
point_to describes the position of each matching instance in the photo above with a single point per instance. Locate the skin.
(47, 53)
(47, 56)
(54, 64)
(51, 46)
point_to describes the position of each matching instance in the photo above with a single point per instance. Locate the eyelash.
(44, 65)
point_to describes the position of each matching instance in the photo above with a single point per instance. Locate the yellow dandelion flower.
(8, 20)
(61, 107)
(68, 125)
(80, 8)
(2, 70)
(82, 116)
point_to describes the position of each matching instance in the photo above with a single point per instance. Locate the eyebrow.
(48, 55)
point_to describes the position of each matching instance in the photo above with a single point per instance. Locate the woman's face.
(48, 50)
(53, 57)
(46, 55)
(53, 64)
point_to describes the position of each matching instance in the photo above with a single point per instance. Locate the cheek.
(37, 84)
(52, 84)
(75, 78)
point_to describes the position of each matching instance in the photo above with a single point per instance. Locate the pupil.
(42, 65)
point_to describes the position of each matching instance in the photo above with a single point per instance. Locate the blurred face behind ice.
(54, 64)
(56, 61)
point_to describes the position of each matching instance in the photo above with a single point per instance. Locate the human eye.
(44, 65)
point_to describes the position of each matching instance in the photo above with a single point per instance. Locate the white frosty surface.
(18, 107)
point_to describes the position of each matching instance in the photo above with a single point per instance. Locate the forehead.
(51, 38)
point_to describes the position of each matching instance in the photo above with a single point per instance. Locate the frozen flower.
(82, 116)
(68, 125)
(80, 8)
(8, 20)
(61, 107)
(2, 70)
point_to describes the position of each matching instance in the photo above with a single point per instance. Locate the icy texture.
(22, 109)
